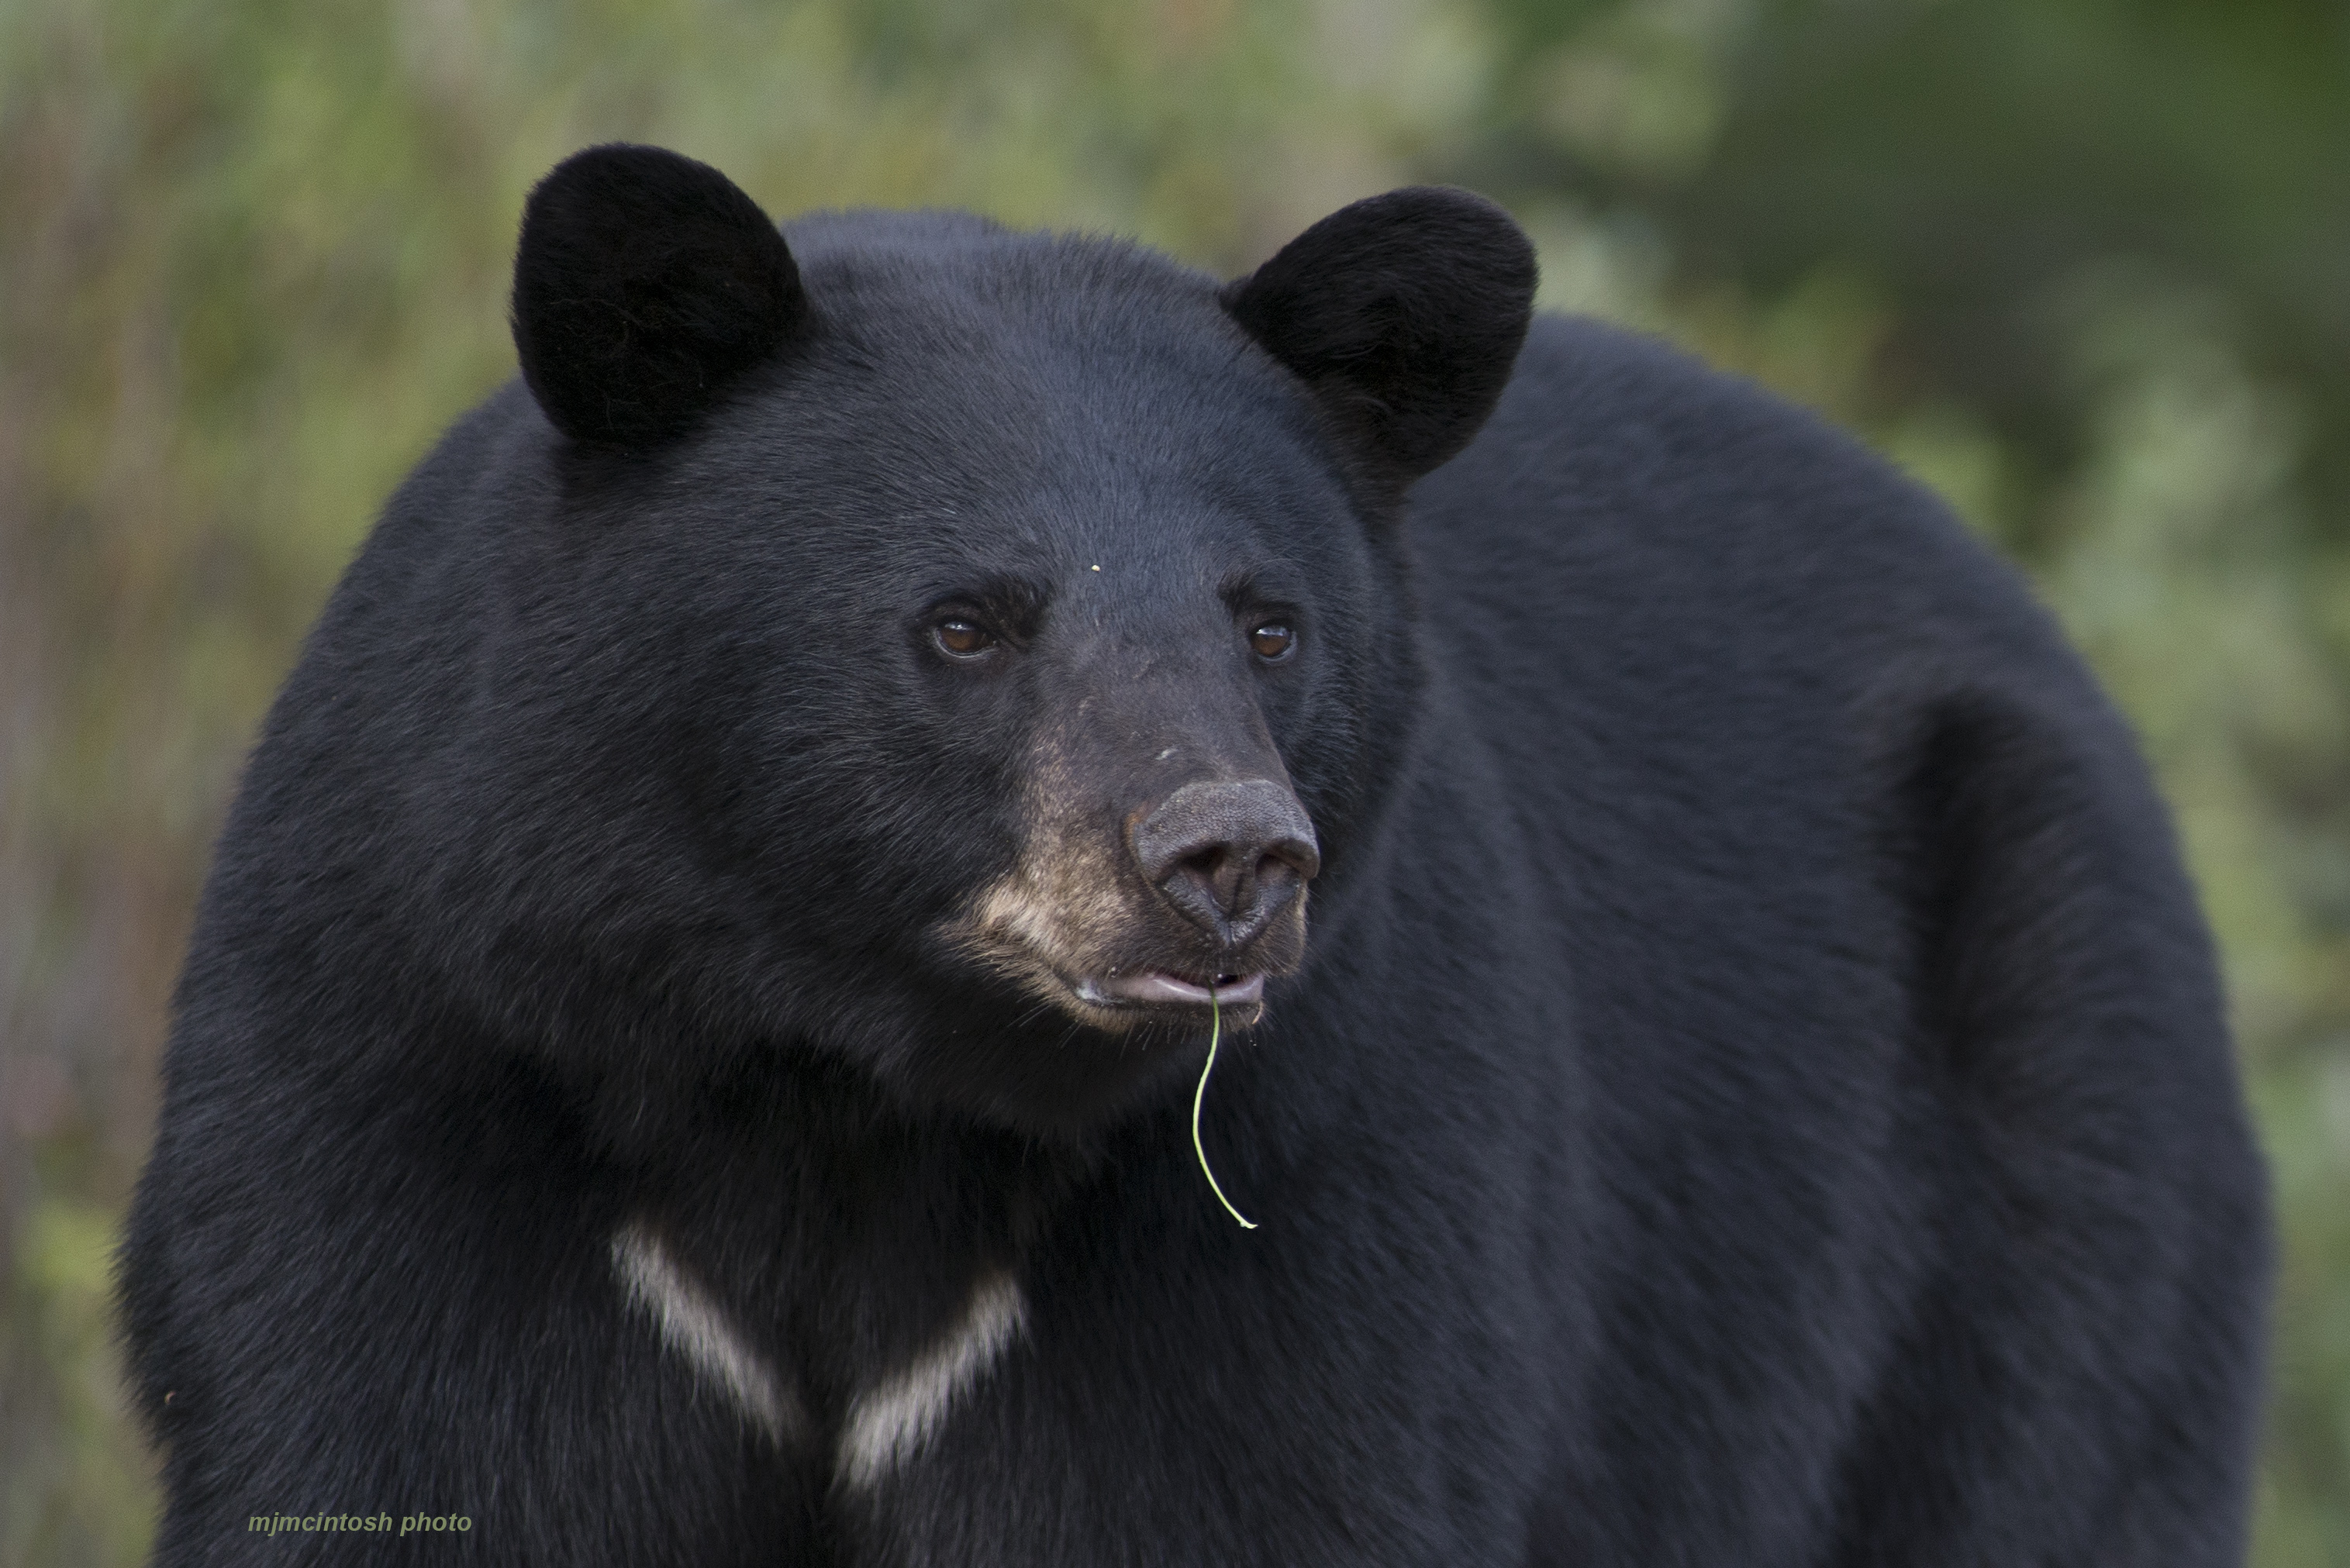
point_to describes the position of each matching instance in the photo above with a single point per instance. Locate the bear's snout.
(1228, 854)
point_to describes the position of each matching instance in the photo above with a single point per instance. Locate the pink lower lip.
(1156, 985)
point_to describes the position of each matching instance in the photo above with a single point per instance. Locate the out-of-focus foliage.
(2079, 264)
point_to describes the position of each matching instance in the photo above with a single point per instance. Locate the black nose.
(1228, 856)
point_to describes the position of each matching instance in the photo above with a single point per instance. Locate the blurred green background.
(2084, 265)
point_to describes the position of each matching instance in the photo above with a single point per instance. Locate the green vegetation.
(2078, 264)
(1200, 1096)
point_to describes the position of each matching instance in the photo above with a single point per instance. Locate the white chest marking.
(890, 1421)
(697, 1328)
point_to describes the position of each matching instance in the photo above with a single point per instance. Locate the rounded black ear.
(1404, 312)
(644, 283)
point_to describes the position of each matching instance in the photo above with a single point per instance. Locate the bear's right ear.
(1404, 314)
(644, 283)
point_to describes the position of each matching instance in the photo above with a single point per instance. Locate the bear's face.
(999, 633)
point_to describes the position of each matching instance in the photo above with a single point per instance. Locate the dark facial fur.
(687, 751)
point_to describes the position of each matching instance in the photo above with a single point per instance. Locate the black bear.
(690, 1048)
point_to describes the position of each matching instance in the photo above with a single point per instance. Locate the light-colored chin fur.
(1047, 925)
(1038, 946)
(1031, 926)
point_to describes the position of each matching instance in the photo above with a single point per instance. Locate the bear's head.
(953, 652)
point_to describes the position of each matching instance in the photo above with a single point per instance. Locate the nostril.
(1232, 876)
(1299, 855)
(1227, 853)
(1206, 863)
(1214, 871)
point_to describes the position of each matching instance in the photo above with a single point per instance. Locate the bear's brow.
(1274, 579)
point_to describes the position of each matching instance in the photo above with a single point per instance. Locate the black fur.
(643, 285)
(1752, 1088)
(1403, 312)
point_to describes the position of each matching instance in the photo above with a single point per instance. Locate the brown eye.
(1272, 641)
(959, 637)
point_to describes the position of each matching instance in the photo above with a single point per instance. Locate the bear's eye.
(959, 637)
(1272, 639)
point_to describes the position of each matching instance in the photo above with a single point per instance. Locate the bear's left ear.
(645, 283)
(1404, 312)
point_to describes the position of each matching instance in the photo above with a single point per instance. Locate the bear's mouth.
(1168, 987)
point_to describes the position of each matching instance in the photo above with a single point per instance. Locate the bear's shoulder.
(1617, 464)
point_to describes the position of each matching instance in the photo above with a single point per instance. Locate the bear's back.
(1875, 933)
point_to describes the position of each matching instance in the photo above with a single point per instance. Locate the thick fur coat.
(687, 1051)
